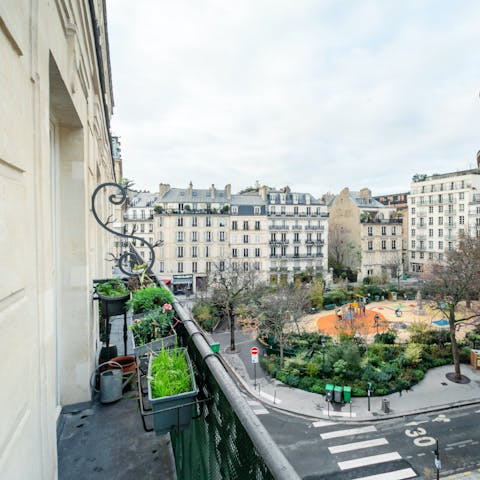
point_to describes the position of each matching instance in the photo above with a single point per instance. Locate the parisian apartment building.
(275, 233)
(441, 208)
(365, 235)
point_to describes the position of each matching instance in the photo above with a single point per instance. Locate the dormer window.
(235, 210)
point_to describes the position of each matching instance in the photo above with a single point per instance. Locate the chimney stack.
(163, 189)
(212, 191)
(228, 191)
(190, 189)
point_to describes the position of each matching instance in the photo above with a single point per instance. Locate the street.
(394, 449)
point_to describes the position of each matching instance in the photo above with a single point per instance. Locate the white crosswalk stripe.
(347, 432)
(257, 407)
(323, 423)
(374, 463)
(394, 475)
(372, 460)
(349, 447)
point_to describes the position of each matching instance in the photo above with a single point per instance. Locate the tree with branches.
(231, 288)
(279, 308)
(452, 282)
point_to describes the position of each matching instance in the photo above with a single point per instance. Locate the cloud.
(317, 95)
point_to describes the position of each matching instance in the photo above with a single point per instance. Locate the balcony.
(278, 242)
(278, 227)
(116, 440)
(320, 228)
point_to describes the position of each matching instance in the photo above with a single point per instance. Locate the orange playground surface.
(365, 325)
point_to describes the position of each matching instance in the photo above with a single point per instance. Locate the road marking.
(270, 398)
(441, 418)
(372, 460)
(395, 475)
(346, 433)
(323, 423)
(253, 402)
(477, 411)
(332, 413)
(348, 447)
(459, 443)
(421, 454)
(260, 411)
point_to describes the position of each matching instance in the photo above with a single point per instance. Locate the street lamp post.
(323, 353)
(376, 320)
(438, 463)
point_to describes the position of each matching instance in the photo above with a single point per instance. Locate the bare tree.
(231, 287)
(279, 308)
(452, 282)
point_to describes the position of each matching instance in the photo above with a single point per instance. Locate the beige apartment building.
(365, 235)
(441, 208)
(276, 234)
(55, 106)
(202, 230)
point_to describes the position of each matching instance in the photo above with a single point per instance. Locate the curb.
(382, 417)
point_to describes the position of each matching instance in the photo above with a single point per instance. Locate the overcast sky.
(314, 94)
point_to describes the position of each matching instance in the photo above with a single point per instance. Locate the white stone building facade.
(298, 234)
(441, 208)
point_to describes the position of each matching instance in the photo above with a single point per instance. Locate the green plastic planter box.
(174, 410)
(347, 394)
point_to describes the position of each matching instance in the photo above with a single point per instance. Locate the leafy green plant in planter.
(112, 288)
(113, 295)
(149, 298)
(171, 389)
(153, 330)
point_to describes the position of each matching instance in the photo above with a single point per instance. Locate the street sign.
(254, 352)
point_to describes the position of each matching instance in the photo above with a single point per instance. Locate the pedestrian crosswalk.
(257, 407)
(362, 454)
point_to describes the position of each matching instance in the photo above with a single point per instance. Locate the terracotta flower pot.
(126, 361)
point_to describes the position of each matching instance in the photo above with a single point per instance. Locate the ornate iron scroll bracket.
(130, 257)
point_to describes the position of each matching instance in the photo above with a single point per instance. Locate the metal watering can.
(111, 383)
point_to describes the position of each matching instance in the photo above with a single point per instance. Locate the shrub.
(306, 383)
(312, 369)
(206, 315)
(413, 354)
(387, 338)
(340, 367)
(318, 387)
(292, 380)
(359, 392)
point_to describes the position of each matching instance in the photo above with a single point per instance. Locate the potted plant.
(171, 389)
(113, 295)
(149, 298)
(153, 330)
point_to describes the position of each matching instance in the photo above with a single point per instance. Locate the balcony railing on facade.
(279, 227)
(384, 221)
(297, 256)
(279, 242)
(135, 218)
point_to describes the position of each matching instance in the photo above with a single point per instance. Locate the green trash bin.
(347, 394)
(338, 394)
(328, 392)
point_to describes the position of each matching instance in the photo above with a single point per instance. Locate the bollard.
(274, 396)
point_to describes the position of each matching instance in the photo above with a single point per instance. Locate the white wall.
(49, 245)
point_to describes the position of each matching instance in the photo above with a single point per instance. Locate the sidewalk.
(433, 393)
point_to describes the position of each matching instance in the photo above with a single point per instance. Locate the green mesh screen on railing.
(215, 446)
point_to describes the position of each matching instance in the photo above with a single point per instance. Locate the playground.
(377, 317)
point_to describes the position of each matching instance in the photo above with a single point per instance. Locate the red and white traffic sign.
(254, 352)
